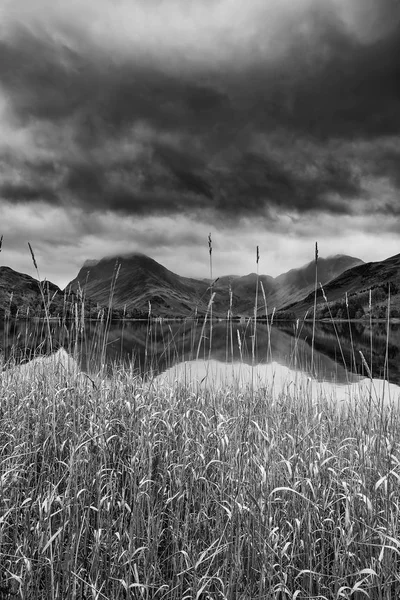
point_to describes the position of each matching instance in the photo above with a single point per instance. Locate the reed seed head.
(33, 256)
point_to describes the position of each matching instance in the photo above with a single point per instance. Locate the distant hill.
(379, 277)
(19, 291)
(136, 280)
(295, 284)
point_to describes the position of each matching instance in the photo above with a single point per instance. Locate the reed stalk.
(386, 366)
(114, 279)
(210, 249)
(254, 337)
(335, 330)
(269, 349)
(351, 333)
(370, 330)
(315, 308)
(45, 307)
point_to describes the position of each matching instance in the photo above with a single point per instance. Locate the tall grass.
(115, 488)
(149, 492)
(45, 304)
(254, 336)
(210, 249)
(315, 307)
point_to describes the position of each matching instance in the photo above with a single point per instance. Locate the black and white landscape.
(197, 401)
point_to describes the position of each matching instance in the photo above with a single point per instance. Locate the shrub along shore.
(123, 489)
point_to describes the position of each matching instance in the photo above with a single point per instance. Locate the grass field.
(114, 488)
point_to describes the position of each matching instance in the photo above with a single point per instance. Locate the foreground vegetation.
(115, 489)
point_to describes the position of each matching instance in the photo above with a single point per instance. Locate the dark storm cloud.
(51, 82)
(26, 193)
(175, 183)
(388, 165)
(257, 178)
(331, 85)
(188, 170)
(326, 83)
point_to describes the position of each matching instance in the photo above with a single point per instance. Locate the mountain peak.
(90, 262)
(93, 262)
(343, 256)
(126, 256)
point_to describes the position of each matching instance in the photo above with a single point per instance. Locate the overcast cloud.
(145, 124)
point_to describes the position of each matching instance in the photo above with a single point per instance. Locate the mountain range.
(135, 280)
(136, 283)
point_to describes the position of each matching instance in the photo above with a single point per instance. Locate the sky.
(144, 125)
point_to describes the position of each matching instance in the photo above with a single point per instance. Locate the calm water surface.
(226, 352)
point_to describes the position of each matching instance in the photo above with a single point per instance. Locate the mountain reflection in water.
(276, 380)
(158, 346)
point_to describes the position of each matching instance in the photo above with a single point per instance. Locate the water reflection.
(276, 380)
(157, 346)
(346, 343)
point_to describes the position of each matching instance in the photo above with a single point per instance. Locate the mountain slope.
(19, 291)
(356, 282)
(296, 284)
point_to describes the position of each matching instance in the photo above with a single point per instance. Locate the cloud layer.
(266, 112)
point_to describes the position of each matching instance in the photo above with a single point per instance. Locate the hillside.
(20, 292)
(294, 285)
(357, 283)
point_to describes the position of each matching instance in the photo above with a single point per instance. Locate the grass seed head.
(33, 256)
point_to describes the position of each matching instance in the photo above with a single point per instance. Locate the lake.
(173, 347)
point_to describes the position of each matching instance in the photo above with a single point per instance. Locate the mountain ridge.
(136, 279)
(140, 284)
